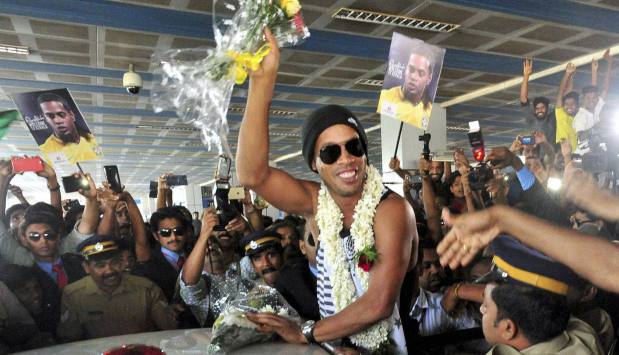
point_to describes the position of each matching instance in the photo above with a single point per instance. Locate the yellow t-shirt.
(392, 103)
(55, 150)
(565, 128)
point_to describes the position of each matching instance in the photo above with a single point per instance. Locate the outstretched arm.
(527, 70)
(49, 174)
(565, 82)
(90, 217)
(6, 174)
(609, 68)
(252, 156)
(594, 259)
(192, 269)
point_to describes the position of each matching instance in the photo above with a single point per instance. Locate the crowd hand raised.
(91, 193)
(48, 172)
(237, 224)
(16, 191)
(578, 186)
(570, 68)
(163, 182)
(270, 64)
(6, 169)
(461, 162)
(108, 198)
(285, 328)
(209, 220)
(594, 65)
(527, 67)
(501, 157)
(394, 164)
(607, 56)
(516, 146)
(540, 137)
(470, 233)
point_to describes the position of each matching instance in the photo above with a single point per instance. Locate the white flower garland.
(329, 218)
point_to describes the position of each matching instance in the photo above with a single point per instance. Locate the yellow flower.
(290, 7)
(246, 61)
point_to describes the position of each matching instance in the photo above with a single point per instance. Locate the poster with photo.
(411, 80)
(58, 126)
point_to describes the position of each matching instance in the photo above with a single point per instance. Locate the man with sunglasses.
(55, 266)
(163, 263)
(335, 147)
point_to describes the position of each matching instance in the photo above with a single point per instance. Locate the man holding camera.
(66, 138)
(334, 146)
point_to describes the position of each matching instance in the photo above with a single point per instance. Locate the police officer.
(264, 249)
(525, 309)
(110, 302)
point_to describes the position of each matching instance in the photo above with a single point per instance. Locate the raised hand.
(527, 67)
(16, 191)
(270, 63)
(607, 56)
(461, 162)
(570, 69)
(91, 192)
(594, 65)
(6, 169)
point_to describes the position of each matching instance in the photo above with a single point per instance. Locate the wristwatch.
(308, 331)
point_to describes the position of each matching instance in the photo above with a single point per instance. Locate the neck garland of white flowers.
(329, 218)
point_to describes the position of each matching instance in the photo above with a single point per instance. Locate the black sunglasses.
(35, 237)
(329, 154)
(166, 232)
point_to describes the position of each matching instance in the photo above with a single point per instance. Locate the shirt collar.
(170, 255)
(47, 266)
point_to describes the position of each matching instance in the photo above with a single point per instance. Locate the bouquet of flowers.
(232, 330)
(197, 83)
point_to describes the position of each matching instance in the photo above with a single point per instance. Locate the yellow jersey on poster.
(392, 103)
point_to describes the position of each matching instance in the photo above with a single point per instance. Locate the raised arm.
(6, 174)
(609, 68)
(570, 69)
(252, 156)
(162, 192)
(108, 200)
(18, 193)
(433, 215)
(527, 70)
(49, 174)
(192, 269)
(594, 72)
(90, 217)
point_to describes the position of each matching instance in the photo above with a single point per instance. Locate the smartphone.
(113, 178)
(236, 193)
(152, 193)
(28, 164)
(527, 140)
(73, 183)
(71, 204)
(176, 180)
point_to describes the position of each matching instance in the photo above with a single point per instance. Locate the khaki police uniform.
(577, 339)
(136, 306)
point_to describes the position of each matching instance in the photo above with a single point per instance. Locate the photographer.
(210, 278)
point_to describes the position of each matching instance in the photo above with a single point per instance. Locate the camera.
(480, 176)
(132, 81)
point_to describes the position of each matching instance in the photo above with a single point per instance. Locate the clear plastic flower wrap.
(197, 83)
(232, 330)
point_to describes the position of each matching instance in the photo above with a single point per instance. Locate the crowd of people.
(474, 259)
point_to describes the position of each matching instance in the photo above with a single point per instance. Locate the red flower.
(364, 263)
(298, 22)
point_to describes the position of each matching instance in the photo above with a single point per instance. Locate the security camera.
(132, 81)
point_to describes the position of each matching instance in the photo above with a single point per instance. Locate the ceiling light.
(7, 48)
(393, 20)
(169, 128)
(369, 82)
